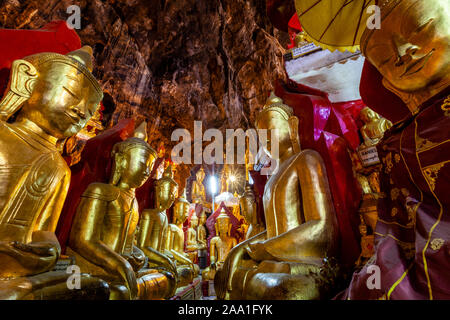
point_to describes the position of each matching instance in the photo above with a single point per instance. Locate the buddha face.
(200, 176)
(166, 193)
(368, 115)
(62, 101)
(194, 221)
(277, 128)
(412, 48)
(202, 219)
(223, 225)
(181, 211)
(135, 166)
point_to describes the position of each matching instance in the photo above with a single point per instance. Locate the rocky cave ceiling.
(172, 61)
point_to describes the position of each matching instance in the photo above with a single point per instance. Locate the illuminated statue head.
(56, 92)
(368, 115)
(412, 48)
(277, 115)
(166, 190)
(133, 161)
(223, 224)
(202, 218)
(200, 175)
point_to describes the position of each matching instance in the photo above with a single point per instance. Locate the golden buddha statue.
(291, 259)
(248, 206)
(52, 97)
(103, 232)
(191, 234)
(220, 245)
(153, 226)
(174, 245)
(198, 189)
(201, 231)
(374, 126)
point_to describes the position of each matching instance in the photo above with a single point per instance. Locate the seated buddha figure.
(174, 246)
(220, 245)
(201, 231)
(103, 231)
(191, 238)
(153, 226)
(52, 97)
(248, 207)
(291, 258)
(198, 189)
(374, 126)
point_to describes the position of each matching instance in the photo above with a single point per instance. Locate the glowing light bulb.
(213, 184)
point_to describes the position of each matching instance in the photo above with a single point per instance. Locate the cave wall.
(172, 62)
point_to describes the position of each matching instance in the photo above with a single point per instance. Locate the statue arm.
(144, 229)
(316, 237)
(85, 237)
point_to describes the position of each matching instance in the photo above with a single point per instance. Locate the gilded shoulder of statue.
(101, 191)
(308, 158)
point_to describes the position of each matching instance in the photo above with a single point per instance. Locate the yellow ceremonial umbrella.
(335, 24)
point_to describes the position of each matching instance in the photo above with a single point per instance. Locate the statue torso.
(282, 199)
(176, 235)
(31, 169)
(223, 246)
(158, 233)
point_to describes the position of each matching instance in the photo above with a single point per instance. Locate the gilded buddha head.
(166, 190)
(247, 203)
(223, 224)
(278, 119)
(194, 221)
(367, 115)
(181, 209)
(133, 161)
(412, 48)
(56, 92)
(202, 218)
(200, 175)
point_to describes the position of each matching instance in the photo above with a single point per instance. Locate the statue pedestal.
(192, 291)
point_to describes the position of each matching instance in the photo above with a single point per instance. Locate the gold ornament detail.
(437, 243)
(432, 172)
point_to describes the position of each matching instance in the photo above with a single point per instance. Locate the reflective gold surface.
(103, 231)
(154, 224)
(220, 245)
(198, 189)
(285, 261)
(201, 231)
(174, 245)
(412, 49)
(52, 96)
(248, 207)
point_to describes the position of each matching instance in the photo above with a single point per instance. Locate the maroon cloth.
(412, 238)
(259, 182)
(280, 12)
(145, 195)
(17, 44)
(330, 129)
(380, 99)
(94, 166)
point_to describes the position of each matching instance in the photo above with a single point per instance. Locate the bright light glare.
(213, 184)
(250, 180)
(232, 178)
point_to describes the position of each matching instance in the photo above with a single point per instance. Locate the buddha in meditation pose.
(191, 238)
(174, 246)
(291, 258)
(220, 245)
(153, 226)
(52, 97)
(198, 189)
(103, 232)
(201, 231)
(374, 126)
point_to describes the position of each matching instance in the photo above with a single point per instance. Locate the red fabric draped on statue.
(94, 166)
(16, 44)
(330, 129)
(145, 195)
(412, 236)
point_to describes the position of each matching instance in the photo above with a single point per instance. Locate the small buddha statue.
(153, 227)
(374, 126)
(174, 245)
(201, 231)
(191, 235)
(103, 231)
(220, 245)
(52, 97)
(248, 205)
(198, 189)
(293, 258)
